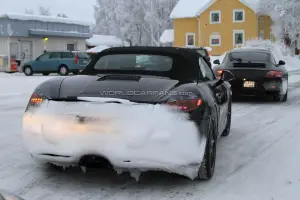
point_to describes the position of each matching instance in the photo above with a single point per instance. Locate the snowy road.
(260, 160)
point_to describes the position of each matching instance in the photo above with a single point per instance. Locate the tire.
(281, 98)
(226, 132)
(63, 70)
(207, 168)
(28, 71)
(46, 74)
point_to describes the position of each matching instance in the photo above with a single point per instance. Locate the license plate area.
(249, 84)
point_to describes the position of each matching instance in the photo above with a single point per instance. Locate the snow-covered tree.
(62, 15)
(140, 22)
(285, 15)
(44, 11)
(29, 11)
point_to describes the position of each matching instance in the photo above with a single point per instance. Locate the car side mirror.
(227, 76)
(217, 62)
(281, 62)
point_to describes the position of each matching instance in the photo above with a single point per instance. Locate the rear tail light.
(219, 73)
(185, 105)
(76, 58)
(35, 101)
(274, 74)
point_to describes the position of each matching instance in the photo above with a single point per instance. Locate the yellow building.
(220, 24)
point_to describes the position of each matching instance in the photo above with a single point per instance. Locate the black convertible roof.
(185, 66)
(153, 50)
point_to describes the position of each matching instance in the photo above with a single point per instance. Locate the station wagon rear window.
(83, 55)
(141, 62)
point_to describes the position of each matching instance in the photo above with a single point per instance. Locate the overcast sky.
(74, 9)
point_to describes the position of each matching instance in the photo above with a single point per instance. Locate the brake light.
(35, 101)
(76, 58)
(274, 74)
(219, 73)
(186, 105)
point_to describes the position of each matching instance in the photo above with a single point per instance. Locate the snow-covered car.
(164, 114)
(256, 73)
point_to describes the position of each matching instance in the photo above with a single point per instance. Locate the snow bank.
(97, 49)
(27, 17)
(149, 136)
(108, 40)
(279, 51)
(167, 36)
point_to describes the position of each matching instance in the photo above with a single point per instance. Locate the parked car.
(173, 86)
(61, 62)
(256, 73)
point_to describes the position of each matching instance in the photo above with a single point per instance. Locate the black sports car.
(256, 73)
(146, 108)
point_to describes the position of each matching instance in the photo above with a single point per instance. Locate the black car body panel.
(254, 70)
(154, 87)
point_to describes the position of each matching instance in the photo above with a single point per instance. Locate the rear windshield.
(249, 56)
(83, 55)
(131, 62)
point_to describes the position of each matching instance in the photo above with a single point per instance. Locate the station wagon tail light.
(186, 105)
(76, 58)
(274, 74)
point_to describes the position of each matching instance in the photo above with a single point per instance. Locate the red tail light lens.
(36, 99)
(186, 105)
(76, 58)
(274, 74)
(219, 73)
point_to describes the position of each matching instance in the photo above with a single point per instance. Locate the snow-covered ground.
(259, 160)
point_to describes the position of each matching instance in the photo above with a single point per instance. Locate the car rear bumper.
(163, 143)
(261, 88)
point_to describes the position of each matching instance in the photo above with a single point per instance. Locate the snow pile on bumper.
(149, 136)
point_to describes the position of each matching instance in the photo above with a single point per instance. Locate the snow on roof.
(167, 36)
(193, 8)
(27, 17)
(188, 8)
(109, 40)
(97, 49)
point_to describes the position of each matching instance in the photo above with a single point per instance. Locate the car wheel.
(207, 168)
(46, 74)
(63, 70)
(226, 132)
(28, 71)
(281, 98)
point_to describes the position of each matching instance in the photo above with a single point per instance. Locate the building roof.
(108, 40)
(167, 36)
(27, 17)
(97, 49)
(193, 8)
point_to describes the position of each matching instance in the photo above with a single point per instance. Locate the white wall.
(4, 46)
(54, 44)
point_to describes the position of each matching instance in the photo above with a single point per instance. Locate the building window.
(215, 39)
(190, 40)
(70, 47)
(238, 15)
(261, 35)
(215, 17)
(238, 37)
